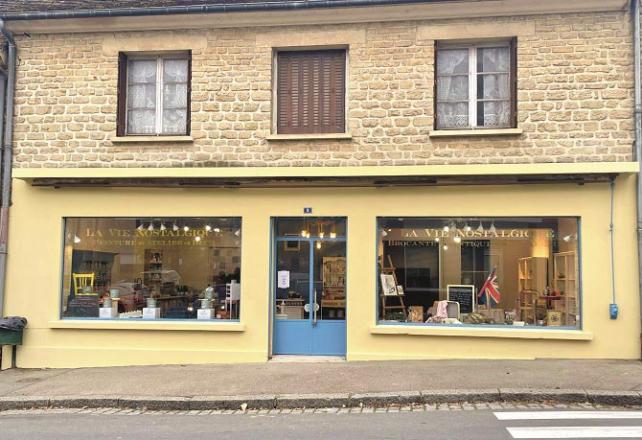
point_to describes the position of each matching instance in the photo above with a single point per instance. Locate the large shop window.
(152, 268)
(479, 271)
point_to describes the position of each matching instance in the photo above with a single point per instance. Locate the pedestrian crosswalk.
(573, 424)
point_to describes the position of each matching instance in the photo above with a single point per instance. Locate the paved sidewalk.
(325, 384)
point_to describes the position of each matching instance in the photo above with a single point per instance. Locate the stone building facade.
(575, 95)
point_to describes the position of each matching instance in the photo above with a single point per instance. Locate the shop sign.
(432, 233)
(156, 237)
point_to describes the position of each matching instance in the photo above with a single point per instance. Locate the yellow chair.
(82, 280)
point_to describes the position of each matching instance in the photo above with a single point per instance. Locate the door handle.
(315, 307)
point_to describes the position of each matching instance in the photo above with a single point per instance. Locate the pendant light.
(162, 227)
(140, 227)
(208, 228)
(480, 228)
(492, 228)
(77, 239)
(175, 227)
(457, 239)
(318, 245)
(150, 227)
(185, 228)
(197, 238)
(467, 227)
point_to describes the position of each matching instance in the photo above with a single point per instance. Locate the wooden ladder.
(390, 269)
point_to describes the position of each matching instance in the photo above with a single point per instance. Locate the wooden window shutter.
(121, 110)
(311, 92)
(513, 82)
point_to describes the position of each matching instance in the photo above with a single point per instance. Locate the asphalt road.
(447, 425)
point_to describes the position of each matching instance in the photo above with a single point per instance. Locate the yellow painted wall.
(35, 260)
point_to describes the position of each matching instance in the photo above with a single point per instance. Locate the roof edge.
(212, 8)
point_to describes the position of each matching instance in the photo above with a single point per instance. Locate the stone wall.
(575, 95)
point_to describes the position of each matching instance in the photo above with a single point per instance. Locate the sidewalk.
(299, 384)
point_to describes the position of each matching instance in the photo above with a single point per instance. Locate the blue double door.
(310, 286)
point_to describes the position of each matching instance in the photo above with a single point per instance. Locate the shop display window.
(511, 272)
(152, 268)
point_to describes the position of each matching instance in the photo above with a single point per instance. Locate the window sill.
(151, 139)
(116, 324)
(306, 137)
(494, 332)
(477, 132)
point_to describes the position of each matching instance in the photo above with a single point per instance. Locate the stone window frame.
(122, 98)
(472, 46)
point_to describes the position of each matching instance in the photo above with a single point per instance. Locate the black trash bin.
(11, 330)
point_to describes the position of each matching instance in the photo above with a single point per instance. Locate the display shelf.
(152, 277)
(565, 276)
(533, 274)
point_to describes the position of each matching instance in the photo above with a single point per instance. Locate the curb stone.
(291, 401)
(155, 403)
(23, 402)
(384, 399)
(311, 401)
(232, 402)
(615, 397)
(533, 395)
(84, 402)
(460, 396)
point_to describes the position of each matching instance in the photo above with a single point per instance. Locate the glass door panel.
(330, 279)
(293, 280)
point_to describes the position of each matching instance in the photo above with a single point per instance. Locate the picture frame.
(388, 285)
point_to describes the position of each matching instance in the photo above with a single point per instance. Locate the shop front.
(162, 275)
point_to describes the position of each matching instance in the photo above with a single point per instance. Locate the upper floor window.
(476, 86)
(311, 91)
(154, 94)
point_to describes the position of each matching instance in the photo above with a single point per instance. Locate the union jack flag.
(490, 289)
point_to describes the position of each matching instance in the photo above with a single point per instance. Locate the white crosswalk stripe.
(552, 432)
(567, 415)
(571, 432)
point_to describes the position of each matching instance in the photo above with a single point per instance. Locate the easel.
(384, 307)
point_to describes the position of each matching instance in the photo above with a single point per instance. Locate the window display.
(152, 268)
(492, 271)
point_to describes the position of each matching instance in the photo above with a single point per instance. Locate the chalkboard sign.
(464, 295)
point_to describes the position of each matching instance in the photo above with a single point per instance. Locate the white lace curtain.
(142, 93)
(491, 76)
